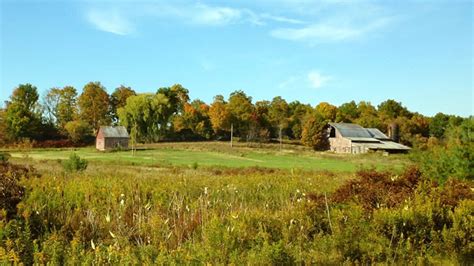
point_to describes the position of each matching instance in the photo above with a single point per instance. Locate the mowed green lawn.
(220, 155)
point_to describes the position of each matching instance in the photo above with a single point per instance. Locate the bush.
(78, 131)
(11, 191)
(75, 164)
(4, 156)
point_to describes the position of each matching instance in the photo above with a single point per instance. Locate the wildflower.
(122, 202)
(205, 190)
(107, 217)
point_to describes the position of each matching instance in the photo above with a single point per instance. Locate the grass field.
(206, 203)
(216, 154)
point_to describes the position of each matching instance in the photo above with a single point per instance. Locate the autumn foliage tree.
(219, 116)
(94, 105)
(314, 133)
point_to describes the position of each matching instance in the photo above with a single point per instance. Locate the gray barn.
(109, 138)
(352, 138)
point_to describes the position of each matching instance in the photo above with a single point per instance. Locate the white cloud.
(316, 79)
(110, 21)
(312, 79)
(117, 17)
(329, 31)
(207, 15)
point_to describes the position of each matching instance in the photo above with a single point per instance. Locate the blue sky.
(416, 52)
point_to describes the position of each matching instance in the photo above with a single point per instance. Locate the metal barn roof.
(114, 132)
(372, 138)
(376, 133)
(383, 145)
(348, 130)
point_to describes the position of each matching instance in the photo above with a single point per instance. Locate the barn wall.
(112, 143)
(100, 144)
(340, 145)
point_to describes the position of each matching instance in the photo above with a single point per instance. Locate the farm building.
(352, 138)
(109, 138)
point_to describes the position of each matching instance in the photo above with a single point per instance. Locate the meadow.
(207, 203)
(220, 154)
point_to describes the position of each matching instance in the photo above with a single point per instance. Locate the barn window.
(332, 132)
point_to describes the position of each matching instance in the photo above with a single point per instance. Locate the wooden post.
(231, 134)
(280, 138)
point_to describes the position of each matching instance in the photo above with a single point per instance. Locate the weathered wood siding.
(340, 144)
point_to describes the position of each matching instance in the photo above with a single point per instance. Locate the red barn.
(109, 138)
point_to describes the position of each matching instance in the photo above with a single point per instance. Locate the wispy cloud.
(208, 15)
(313, 79)
(109, 21)
(117, 18)
(329, 31)
(316, 79)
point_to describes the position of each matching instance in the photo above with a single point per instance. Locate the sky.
(415, 52)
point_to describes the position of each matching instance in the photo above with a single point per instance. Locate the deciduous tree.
(61, 104)
(146, 115)
(315, 132)
(118, 99)
(23, 119)
(94, 105)
(219, 115)
(241, 110)
(278, 113)
(327, 110)
(347, 112)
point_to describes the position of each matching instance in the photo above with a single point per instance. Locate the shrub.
(78, 131)
(75, 164)
(4, 156)
(11, 192)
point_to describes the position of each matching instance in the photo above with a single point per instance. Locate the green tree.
(347, 112)
(391, 109)
(147, 115)
(298, 112)
(454, 158)
(61, 105)
(241, 110)
(3, 127)
(23, 119)
(369, 116)
(278, 113)
(260, 126)
(315, 133)
(439, 124)
(118, 99)
(94, 105)
(177, 96)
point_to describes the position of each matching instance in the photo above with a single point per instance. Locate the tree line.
(170, 114)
